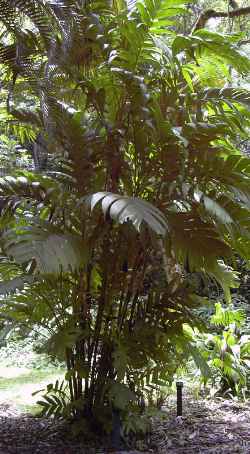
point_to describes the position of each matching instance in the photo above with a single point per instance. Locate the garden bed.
(208, 426)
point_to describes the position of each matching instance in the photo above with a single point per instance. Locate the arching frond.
(196, 241)
(37, 11)
(49, 250)
(232, 94)
(18, 283)
(123, 209)
(226, 277)
(207, 42)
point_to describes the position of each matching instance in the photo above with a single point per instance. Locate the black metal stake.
(179, 386)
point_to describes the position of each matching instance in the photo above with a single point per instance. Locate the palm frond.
(231, 173)
(122, 209)
(16, 284)
(199, 360)
(232, 94)
(213, 208)
(50, 250)
(15, 190)
(204, 42)
(226, 277)
(155, 14)
(196, 241)
(37, 11)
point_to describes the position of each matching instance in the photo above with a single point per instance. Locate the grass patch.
(22, 372)
(17, 391)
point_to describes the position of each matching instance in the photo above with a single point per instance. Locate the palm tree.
(151, 186)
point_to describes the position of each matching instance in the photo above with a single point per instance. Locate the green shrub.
(226, 348)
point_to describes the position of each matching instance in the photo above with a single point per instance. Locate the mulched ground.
(208, 426)
(218, 426)
(25, 434)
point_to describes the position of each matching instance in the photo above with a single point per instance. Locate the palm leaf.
(123, 209)
(206, 42)
(38, 13)
(155, 14)
(233, 94)
(226, 277)
(15, 284)
(51, 251)
(199, 360)
(27, 186)
(196, 241)
(213, 207)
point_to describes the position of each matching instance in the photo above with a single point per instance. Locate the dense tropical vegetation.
(125, 195)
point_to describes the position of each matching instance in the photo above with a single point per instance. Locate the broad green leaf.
(123, 209)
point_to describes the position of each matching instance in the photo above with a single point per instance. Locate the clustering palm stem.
(145, 188)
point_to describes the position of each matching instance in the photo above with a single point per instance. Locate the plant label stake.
(179, 386)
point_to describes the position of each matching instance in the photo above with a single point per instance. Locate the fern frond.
(224, 317)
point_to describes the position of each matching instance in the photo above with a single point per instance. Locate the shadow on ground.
(208, 426)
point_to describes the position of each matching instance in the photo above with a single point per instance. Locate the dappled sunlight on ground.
(12, 371)
(18, 383)
(208, 426)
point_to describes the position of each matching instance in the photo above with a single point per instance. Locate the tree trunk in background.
(40, 153)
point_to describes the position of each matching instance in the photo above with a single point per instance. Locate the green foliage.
(128, 122)
(205, 42)
(227, 351)
(55, 400)
(136, 424)
(22, 350)
(50, 249)
(225, 317)
(124, 209)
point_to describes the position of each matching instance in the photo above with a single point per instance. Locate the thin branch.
(243, 42)
(211, 13)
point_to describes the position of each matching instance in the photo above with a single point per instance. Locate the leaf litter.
(207, 426)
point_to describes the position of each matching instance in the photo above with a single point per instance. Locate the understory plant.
(226, 349)
(145, 187)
